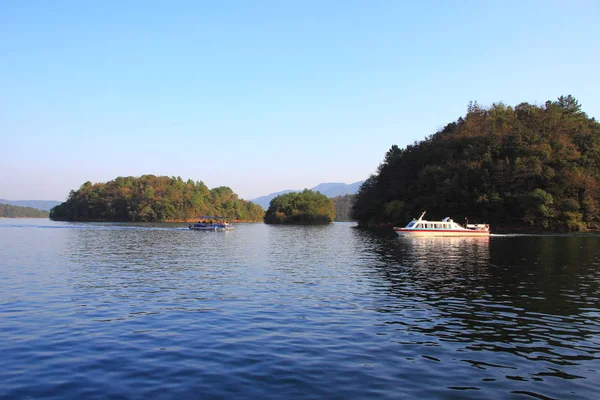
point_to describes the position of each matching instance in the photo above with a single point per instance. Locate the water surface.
(159, 311)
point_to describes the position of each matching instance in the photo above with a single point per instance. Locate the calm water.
(158, 311)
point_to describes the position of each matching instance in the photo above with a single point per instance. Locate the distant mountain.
(264, 201)
(331, 189)
(337, 189)
(45, 205)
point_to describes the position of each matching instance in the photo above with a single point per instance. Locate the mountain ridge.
(44, 205)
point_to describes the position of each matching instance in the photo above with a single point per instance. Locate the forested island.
(303, 208)
(9, 211)
(152, 198)
(530, 165)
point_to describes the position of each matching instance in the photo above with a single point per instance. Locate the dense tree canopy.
(343, 207)
(8, 211)
(306, 207)
(528, 165)
(152, 198)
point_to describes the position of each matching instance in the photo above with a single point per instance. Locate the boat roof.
(426, 220)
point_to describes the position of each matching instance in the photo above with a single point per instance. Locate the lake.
(106, 310)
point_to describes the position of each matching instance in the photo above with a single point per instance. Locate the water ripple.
(139, 311)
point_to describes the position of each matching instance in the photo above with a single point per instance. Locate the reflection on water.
(445, 259)
(138, 311)
(523, 309)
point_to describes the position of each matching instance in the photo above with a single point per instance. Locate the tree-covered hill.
(306, 207)
(152, 198)
(526, 165)
(10, 211)
(331, 189)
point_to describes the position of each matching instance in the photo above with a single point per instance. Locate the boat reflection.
(519, 297)
(447, 250)
(435, 259)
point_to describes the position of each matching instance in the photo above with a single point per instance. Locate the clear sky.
(263, 96)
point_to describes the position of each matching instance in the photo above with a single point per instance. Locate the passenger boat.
(445, 227)
(211, 223)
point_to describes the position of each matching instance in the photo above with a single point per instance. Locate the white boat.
(445, 227)
(211, 223)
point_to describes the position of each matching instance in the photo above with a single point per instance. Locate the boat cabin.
(445, 227)
(211, 223)
(446, 223)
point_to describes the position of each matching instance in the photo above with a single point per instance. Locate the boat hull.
(211, 228)
(441, 233)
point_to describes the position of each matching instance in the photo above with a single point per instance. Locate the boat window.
(419, 226)
(410, 225)
(437, 226)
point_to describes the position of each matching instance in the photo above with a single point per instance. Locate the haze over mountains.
(331, 189)
(45, 205)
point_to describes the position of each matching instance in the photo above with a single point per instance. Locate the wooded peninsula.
(152, 198)
(528, 165)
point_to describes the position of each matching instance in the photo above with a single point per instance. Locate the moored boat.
(445, 227)
(211, 223)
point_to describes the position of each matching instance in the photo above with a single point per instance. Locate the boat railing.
(478, 227)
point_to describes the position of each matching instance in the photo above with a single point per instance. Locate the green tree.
(528, 165)
(152, 198)
(343, 207)
(306, 207)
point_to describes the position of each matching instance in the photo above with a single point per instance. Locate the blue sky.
(263, 96)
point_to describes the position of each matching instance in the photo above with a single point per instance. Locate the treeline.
(526, 165)
(8, 211)
(306, 207)
(152, 199)
(343, 207)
